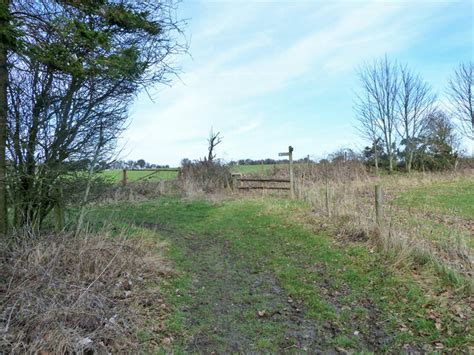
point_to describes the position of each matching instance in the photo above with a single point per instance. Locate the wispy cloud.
(249, 57)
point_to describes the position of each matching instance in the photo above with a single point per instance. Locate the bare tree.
(380, 86)
(213, 140)
(461, 94)
(6, 42)
(415, 103)
(366, 118)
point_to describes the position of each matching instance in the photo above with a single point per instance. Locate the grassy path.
(253, 279)
(232, 307)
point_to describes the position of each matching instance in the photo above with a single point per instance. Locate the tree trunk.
(388, 144)
(4, 16)
(409, 161)
(376, 154)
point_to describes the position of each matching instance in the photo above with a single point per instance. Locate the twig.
(9, 318)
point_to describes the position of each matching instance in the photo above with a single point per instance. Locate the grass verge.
(248, 268)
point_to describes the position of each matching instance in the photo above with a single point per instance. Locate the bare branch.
(461, 94)
(213, 140)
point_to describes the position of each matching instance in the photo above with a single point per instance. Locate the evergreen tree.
(68, 71)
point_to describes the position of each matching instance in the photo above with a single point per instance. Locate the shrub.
(204, 176)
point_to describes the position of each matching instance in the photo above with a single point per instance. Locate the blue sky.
(268, 74)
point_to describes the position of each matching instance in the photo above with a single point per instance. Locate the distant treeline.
(135, 164)
(262, 161)
(439, 156)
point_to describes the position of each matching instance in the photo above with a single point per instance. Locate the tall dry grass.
(342, 197)
(201, 177)
(86, 294)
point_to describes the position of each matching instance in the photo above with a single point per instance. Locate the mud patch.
(234, 307)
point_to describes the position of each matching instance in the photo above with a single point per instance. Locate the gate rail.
(239, 182)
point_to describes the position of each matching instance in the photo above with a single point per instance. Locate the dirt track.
(232, 302)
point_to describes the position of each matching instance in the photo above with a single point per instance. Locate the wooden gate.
(248, 183)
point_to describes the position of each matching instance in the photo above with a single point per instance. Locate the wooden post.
(292, 180)
(328, 210)
(234, 182)
(378, 205)
(124, 177)
(161, 187)
(326, 180)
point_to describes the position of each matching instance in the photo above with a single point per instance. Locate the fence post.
(124, 177)
(292, 180)
(378, 205)
(234, 182)
(328, 210)
(326, 192)
(306, 171)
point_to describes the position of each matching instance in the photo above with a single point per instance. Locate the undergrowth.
(92, 293)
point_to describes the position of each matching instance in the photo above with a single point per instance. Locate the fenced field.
(253, 169)
(454, 197)
(243, 267)
(267, 271)
(135, 175)
(164, 174)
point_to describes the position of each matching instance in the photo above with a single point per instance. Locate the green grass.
(134, 175)
(252, 169)
(451, 197)
(261, 169)
(221, 249)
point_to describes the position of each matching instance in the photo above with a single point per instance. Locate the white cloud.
(270, 47)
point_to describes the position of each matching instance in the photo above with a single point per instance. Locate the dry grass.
(342, 200)
(201, 177)
(139, 191)
(61, 294)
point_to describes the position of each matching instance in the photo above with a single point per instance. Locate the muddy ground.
(235, 304)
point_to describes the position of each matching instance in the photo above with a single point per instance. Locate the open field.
(439, 207)
(252, 169)
(255, 275)
(455, 197)
(409, 232)
(135, 175)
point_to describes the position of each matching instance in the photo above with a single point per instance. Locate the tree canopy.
(72, 69)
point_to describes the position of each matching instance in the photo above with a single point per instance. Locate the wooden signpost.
(289, 154)
(267, 183)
